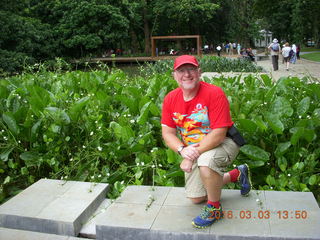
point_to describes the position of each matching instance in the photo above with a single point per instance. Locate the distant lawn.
(312, 56)
(306, 49)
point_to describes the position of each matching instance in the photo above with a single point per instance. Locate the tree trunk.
(146, 27)
(134, 42)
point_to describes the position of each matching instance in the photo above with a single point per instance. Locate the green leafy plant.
(103, 126)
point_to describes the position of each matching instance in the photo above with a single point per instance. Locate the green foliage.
(105, 127)
(208, 64)
(281, 123)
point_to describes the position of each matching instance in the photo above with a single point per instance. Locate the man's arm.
(212, 139)
(189, 152)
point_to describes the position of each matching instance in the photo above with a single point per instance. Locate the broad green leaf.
(282, 163)
(142, 119)
(38, 98)
(296, 134)
(59, 115)
(270, 94)
(313, 180)
(248, 125)
(274, 122)
(128, 102)
(266, 80)
(117, 129)
(77, 107)
(172, 157)
(281, 106)
(261, 124)
(282, 148)
(303, 106)
(154, 109)
(34, 129)
(126, 133)
(9, 119)
(30, 158)
(5, 154)
(270, 180)
(255, 153)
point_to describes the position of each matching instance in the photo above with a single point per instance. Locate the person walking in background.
(286, 54)
(298, 51)
(227, 48)
(200, 113)
(239, 49)
(293, 58)
(275, 49)
(219, 50)
(230, 48)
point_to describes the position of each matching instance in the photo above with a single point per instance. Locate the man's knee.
(198, 200)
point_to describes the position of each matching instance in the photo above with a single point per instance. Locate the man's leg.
(213, 183)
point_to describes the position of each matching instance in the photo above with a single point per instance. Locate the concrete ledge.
(53, 206)
(14, 234)
(261, 215)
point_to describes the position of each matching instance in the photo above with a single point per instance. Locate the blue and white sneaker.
(244, 179)
(208, 216)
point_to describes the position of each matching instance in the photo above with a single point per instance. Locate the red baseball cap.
(185, 59)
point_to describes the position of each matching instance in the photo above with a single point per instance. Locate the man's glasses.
(185, 70)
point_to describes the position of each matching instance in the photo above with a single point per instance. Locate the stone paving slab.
(259, 216)
(15, 234)
(53, 206)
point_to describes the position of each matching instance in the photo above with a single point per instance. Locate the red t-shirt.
(208, 110)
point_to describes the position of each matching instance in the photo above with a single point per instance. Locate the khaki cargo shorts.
(217, 159)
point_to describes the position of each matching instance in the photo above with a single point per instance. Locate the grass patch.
(306, 49)
(312, 56)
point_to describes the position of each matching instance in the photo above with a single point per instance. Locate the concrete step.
(143, 212)
(88, 230)
(15, 234)
(53, 206)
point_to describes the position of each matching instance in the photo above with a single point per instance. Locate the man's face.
(187, 76)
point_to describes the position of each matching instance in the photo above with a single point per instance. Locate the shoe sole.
(249, 177)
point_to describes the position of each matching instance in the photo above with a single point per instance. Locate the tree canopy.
(35, 30)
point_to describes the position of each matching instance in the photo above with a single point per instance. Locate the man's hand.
(190, 152)
(186, 165)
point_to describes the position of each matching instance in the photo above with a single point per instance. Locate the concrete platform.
(164, 213)
(53, 206)
(15, 234)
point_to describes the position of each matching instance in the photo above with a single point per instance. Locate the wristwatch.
(180, 149)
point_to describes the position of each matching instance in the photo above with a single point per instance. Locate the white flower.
(122, 182)
(83, 146)
(125, 115)
(99, 175)
(108, 174)
(92, 177)
(140, 135)
(138, 164)
(99, 128)
(160, 165)
(257, 200)
(99, 148)
(153, 166)
(142, 163)
(300, 117)
(289, 174)
(271, 187)
(71, 159)
(132, 121)
(61, 178)
(129, 115)
(91, 133)
(96, 122)
(164, 176)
